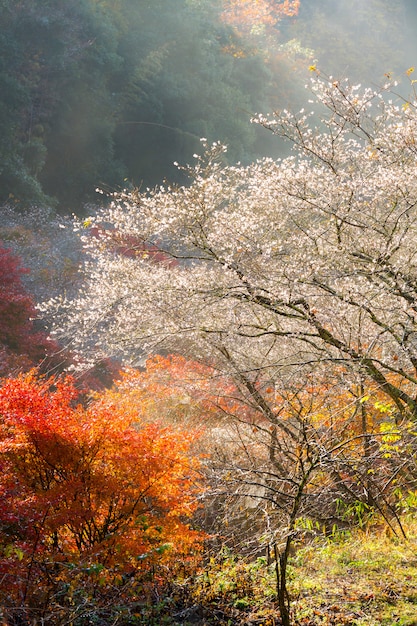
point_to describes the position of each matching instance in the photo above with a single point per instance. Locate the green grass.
(357, 579)
(362, 579)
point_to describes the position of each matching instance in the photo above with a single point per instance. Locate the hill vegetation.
(98, 93)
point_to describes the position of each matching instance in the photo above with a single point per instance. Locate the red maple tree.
(22, 345)
(89, 494)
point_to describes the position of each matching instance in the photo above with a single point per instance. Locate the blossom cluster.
(277, 265)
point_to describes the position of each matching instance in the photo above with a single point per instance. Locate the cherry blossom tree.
(283, 272)
(281, 266)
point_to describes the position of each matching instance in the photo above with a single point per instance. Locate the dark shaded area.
(108, 93)
(103, 93)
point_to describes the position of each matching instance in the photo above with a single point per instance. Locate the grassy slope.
(361, 579)
(364, 579)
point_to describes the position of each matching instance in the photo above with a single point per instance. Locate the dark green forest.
(101, 93)
(110, 93)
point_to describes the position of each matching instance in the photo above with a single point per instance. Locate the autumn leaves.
(89, 493)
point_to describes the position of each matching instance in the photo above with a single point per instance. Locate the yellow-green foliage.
(352, 579)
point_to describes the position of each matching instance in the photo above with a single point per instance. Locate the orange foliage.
(245, 14)
(350, 417)
(83, 487)
(332, 407)
(179, 390)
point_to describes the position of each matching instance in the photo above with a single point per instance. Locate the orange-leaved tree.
(244, 15)
(180, 390)
(91, 500)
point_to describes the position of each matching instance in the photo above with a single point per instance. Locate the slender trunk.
(281, 561)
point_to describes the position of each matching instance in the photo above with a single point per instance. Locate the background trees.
(95, 93)
(343, 35)
(107, 93)
(56, 63)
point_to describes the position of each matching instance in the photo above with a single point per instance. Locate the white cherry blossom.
(277, 266)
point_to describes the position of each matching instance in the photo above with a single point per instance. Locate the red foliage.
(132, 246)
(21, 345)
(87, 487)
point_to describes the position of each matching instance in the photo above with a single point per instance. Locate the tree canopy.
(90, 497)
(282, 266)
(107, 93)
